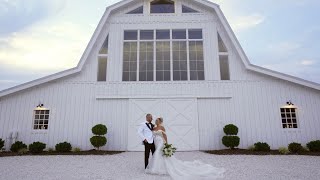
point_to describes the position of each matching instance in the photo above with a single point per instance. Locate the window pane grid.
(196, 60)
(130, 61)
(180, 61)
(164, 55)
(41, 119)
(146, 61)
(289, 118)
(163, 61)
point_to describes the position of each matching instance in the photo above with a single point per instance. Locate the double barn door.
(180, 120)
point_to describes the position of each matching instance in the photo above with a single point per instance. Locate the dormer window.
(138, 10)
(103, 61)
(162, 6)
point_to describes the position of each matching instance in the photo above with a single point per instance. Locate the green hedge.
(295, 147)
(1, 143)
(15, 147)
(37, 147)
(314, 146)
(63, 147)
(261, 146)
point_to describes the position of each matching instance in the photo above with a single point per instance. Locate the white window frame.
(103, 56)
(226, 54)
(297, 118)
(155, 40)
(34, 119)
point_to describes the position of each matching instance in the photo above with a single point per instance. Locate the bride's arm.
(164, 135)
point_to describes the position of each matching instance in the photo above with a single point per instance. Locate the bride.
(177, 169)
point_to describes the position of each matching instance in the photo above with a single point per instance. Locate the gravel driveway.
(129, 165)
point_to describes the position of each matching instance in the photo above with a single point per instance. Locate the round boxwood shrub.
(295, 147)
(314, 146)
(1, 143)
(230, 129)
(99, 130)
(63, 147)
(15, 147)
(98, 141)
(261, 146)
(231, 141)
(37, 147)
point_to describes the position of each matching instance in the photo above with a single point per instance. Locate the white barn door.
(180, 120)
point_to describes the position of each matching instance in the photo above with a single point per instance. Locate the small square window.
(289, 118)
(41, 119)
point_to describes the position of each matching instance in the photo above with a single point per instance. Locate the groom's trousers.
(147, 148)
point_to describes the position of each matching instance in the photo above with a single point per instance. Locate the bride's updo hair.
(160, 119)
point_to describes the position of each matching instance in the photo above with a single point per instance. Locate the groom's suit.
(145, 133)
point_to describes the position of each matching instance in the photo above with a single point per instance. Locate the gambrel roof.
(122, 3)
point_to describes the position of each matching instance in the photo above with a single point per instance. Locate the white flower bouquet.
(168, 150)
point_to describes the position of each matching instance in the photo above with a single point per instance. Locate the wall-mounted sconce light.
(40, 106)
(290, 103)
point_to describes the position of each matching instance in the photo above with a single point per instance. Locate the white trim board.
(99, 30)
(162, 97)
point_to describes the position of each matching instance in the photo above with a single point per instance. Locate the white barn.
(177, 59)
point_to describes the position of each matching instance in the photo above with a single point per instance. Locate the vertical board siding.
(250, 100)
(73, 112)
(255, 109)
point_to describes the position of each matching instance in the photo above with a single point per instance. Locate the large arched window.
(162, 6)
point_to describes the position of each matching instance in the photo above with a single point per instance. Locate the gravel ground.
(129, 165)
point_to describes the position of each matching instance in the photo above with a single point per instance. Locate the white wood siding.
(77, 102)
(73, 112)
(255, 109)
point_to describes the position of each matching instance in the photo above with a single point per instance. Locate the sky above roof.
(38, 38)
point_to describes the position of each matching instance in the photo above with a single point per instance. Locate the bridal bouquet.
(168, 150)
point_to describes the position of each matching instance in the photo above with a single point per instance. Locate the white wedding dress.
(177, 169)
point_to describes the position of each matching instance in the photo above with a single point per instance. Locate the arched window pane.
(162, 6)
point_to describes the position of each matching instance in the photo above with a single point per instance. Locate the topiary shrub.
(37, 147)
(231, 141)
(99, 130)
(230, 129)
(15, 147)
(63, 147)
(99, 139)
(283, 150)
(314, 146)
(261, 146)
(1, 143)
(295, 147)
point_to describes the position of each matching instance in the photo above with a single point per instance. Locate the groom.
(145, 133)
